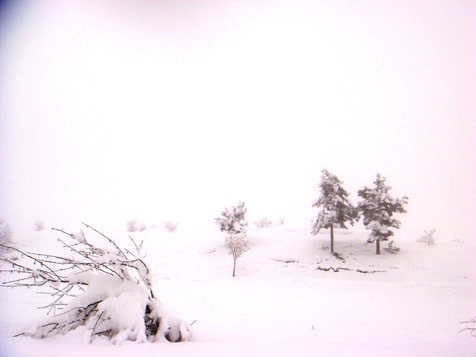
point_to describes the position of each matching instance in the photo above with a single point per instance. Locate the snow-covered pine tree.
(336, 208)
(233, 222)
(378, 208)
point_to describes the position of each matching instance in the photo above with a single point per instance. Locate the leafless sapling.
(237, 245)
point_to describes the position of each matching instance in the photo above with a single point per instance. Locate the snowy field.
(279, 304)
(115, 110)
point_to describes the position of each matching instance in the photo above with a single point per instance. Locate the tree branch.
(336, 270)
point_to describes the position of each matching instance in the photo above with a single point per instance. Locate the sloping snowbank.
(279, 304)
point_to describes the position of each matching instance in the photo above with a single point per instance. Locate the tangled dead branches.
(91, 286)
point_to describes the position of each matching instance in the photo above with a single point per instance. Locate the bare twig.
(471, 329)
(138, 247)
(119, 250)
(63, 231)
(32, 258)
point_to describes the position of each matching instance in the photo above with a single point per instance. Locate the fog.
(156, 111)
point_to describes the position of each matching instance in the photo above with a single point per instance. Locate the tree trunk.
(332, 238)
(377, 245)
(234, 266)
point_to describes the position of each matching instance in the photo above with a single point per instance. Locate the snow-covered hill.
(280, 304)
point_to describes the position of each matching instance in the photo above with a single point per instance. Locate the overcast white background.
(156, 110)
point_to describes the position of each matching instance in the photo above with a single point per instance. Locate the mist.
(157, 111)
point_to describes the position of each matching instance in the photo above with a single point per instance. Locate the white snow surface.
(279, 304)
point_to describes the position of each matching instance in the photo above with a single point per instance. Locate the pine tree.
(336, 208)
(233, 220)
(378, 208)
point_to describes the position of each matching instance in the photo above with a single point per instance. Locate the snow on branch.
(106, 290)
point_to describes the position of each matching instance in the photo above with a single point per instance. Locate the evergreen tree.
(378, 208)
(233, 220)
(336, 208)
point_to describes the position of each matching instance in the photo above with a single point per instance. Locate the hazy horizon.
(157, 111)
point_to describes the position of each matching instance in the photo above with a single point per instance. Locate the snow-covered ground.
(279, 304)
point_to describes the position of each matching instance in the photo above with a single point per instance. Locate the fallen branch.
(336, 270)
(286, 261)
(369, 271)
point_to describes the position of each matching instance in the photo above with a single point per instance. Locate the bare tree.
(237, 245)
(427, 237)
(39, 225)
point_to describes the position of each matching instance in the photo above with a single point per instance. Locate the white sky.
(152, 110)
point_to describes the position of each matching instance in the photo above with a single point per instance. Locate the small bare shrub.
(263, 223)
(132, 226)
(237, 245)
(427, 237)
(170, 226)
(39, 225)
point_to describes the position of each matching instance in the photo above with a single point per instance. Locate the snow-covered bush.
(427, 237)
(263, 223)
(39, 225)
(131, 226)
(134, 226)
(108, 291)
(6, 234)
